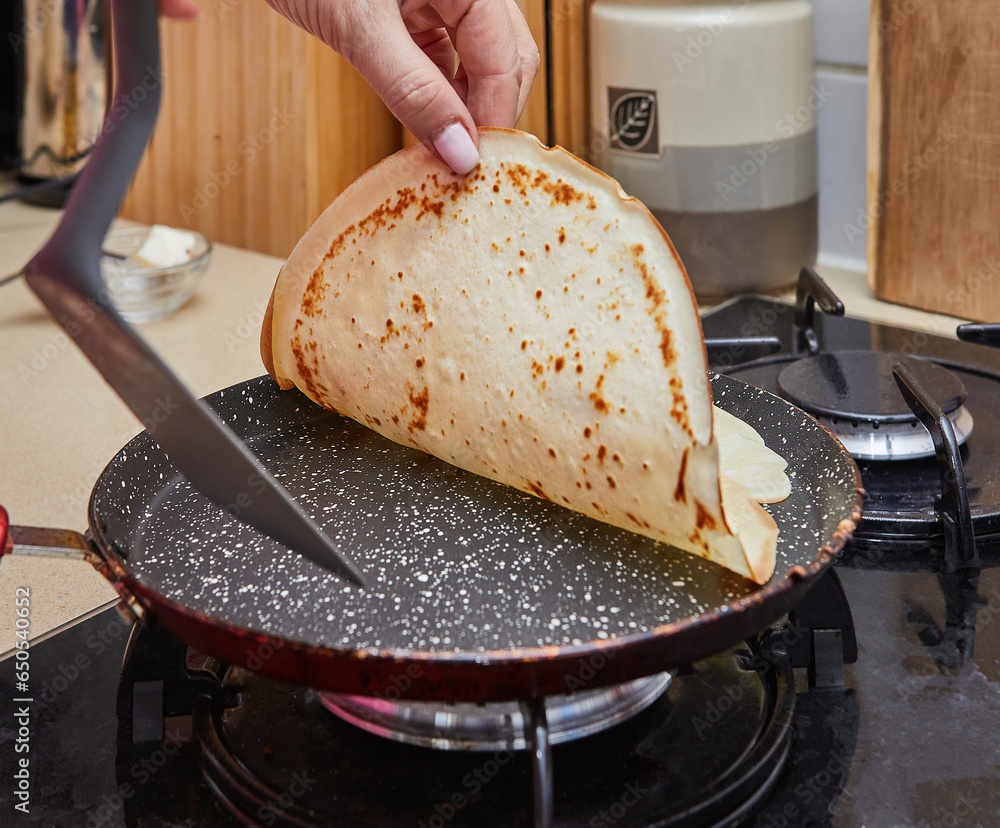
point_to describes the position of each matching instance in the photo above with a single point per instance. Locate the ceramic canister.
(706, 112)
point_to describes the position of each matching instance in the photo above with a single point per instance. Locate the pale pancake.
(755, 527)
(745, 458)
(528, 322)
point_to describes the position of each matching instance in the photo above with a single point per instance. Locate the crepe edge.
(267, 341)
(753, 526)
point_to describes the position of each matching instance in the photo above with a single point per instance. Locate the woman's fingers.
(405, 50)
(179, 9)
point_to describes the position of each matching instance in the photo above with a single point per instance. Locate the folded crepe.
(528, 322)
(746, 459)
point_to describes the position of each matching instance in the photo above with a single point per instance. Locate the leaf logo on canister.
(632, 120)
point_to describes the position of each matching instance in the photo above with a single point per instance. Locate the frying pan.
(475, 591)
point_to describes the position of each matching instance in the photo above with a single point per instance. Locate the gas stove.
(872, 704)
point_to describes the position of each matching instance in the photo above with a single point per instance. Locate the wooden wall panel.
(569, 99)
(535, 118)
(261, 126)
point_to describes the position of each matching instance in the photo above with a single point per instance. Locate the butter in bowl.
(149, 272)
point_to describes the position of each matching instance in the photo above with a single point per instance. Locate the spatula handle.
(65, 275)
(97, 194)
(40, 541)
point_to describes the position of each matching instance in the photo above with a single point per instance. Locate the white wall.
(842, 75)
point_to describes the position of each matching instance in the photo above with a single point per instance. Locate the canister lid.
(723, 73)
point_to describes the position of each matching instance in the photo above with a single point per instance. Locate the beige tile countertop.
(61, 424)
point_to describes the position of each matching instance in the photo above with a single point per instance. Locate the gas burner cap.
(854, 394)
(497, 725)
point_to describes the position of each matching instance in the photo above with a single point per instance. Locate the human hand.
(179, 9)
(406, 50)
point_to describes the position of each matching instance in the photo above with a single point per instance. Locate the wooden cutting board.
(933, 217)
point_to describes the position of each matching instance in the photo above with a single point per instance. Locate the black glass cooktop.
(909, 740)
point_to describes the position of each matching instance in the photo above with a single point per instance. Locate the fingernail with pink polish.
(455, 146)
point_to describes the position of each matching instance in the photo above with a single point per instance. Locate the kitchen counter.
(61, 423)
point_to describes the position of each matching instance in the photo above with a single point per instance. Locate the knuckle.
(531, 62)
(416, 91)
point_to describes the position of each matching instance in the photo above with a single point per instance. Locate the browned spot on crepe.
(419, 401)
(680, 494)
(703, 518)
(611, 303)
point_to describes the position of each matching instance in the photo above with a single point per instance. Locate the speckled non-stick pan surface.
(472, 586)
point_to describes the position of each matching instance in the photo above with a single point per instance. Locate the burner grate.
(854, 395)
(901, 497)
(706, 752)
(499, 725)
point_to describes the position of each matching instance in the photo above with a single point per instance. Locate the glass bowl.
(141, 292)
